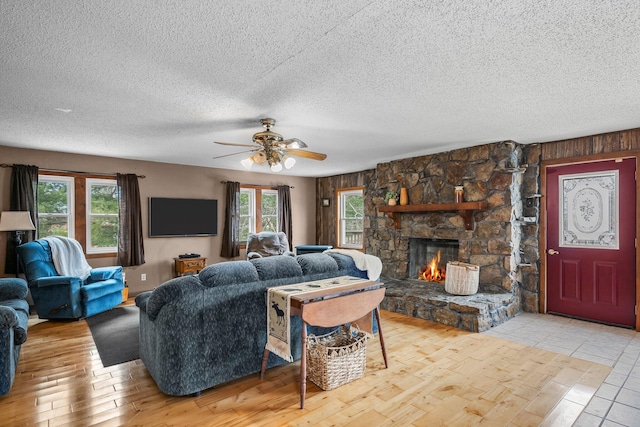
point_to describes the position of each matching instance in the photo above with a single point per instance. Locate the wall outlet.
(143, 277)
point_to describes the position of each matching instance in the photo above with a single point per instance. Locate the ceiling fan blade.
(234, 144)
(307, 154)
(233, 154)
(293, 143)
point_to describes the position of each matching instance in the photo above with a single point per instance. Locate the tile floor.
(617, 401)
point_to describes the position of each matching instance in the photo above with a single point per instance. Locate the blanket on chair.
(68, 257)
(371, 263)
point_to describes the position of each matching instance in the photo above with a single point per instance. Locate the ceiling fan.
(272, 149)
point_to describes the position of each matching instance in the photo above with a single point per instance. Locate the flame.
(433, 272)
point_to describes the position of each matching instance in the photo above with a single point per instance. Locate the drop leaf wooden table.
(331, 307)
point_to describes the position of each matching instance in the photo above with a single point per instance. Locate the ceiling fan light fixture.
(289, 162)
(272, 150)
(247, 163)
(295, 143)
(259, 157)
(276, 167)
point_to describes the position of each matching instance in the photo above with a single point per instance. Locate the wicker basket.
(461, 278)
(336, 358)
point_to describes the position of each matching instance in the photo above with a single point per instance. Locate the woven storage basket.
(461, 278)
(336, 358)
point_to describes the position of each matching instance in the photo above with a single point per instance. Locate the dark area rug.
(115, 333)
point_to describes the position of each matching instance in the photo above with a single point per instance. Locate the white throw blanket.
(372, 264)
(68, 257)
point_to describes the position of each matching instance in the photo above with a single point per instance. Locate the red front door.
(591, 217)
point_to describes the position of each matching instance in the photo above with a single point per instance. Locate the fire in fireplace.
(428, 258)
(432, 271)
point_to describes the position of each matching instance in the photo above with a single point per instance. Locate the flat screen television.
(173, 217)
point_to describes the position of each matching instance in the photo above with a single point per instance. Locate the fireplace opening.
(428, 258)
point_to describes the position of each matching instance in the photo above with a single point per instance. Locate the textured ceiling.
(362, 81)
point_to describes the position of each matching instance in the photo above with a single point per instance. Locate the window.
(102, 216)
(350, 218)
(247, 213)
(81, 207)
(258, 211)
(55, 206)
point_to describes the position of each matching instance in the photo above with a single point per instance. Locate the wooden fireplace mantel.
(464, 209)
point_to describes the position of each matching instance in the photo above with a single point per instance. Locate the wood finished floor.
(437, 376)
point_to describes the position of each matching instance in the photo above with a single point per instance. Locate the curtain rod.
(257, 185)
(5, 165)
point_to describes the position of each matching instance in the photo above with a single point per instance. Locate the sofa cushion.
(169, 291)
(13, 288)
(228, 273)
(317, 263)
(97, 290)
(36, 258)
(104, 273)
(277, 267)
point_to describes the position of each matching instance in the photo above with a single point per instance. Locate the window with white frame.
(247, 213)
(102, 215)
(258, 211)
(350, 217)
(55, 206)
(81, 207)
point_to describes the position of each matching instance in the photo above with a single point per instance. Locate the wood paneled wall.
(593, 145)
(326, 189)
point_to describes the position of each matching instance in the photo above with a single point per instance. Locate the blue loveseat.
(203, 330)
(68, 297)
(14, 315)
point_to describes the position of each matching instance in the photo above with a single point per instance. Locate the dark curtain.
(23, 193)
(230, 243)
(284, 212)
(130, 244)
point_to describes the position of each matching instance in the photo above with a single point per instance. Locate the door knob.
(552, 252)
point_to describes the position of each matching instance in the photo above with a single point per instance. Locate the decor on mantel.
(459, 193)
(465, 210)
(391, 198)
(404, 197)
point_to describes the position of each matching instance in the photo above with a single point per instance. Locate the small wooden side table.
(189, 265)
(331, 307)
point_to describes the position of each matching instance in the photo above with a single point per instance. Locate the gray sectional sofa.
(203, 330)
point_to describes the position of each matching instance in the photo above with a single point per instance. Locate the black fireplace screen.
(428, 258)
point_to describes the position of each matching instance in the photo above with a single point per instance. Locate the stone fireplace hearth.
(492, 236)
(429, 301)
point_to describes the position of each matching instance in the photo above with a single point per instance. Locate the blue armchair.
(14, 315)
(67, 297)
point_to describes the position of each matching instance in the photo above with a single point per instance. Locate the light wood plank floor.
(437, 376)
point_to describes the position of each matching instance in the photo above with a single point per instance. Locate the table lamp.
(17, 222)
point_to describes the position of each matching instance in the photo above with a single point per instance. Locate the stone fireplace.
(428, 258)
(492, 236)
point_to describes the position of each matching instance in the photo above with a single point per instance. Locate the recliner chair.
(267, 243)
(68, 297)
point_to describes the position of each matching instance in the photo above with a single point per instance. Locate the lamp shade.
(247, 163)
(16, 221)
(289, 162)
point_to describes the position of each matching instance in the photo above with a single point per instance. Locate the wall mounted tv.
(172, 217)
